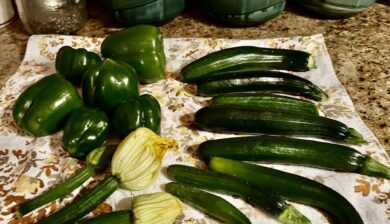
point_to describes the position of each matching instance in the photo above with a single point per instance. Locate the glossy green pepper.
(143, 111)
(107, 84)
(43, 107)
(157, 13)
(141, 47)
(85, 130)
(72, 63)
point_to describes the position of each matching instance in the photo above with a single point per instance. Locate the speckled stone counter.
(359, 48)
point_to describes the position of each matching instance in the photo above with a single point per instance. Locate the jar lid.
(237, 6)
(252, 18)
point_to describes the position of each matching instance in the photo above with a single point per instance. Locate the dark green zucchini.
(260, 81)
(117, 217)
(248, 119)
(97, 160)
(247, 57)
(227, 184)
(83, 205)
(267, 101)
(292, 187)
(210, 204)
(294, 151)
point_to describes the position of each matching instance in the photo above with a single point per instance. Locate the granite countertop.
(359, 48)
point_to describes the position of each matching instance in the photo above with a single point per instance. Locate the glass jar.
(52, 16)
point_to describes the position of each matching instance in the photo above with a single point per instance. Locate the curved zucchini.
(292, 187)
(83, 205)
(227, 184)
(210, 204)
(267, 101)
(247, 57)
(260, 81)
(248, 119)
(294, 151)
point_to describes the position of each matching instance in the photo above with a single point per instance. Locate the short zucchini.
(210, 204)
(117, 217)
(246, 119)
(227, 184)
(260, 81)
(292, 187)
(83, 205)
(294, 151)
(247, 57)
(267, 101)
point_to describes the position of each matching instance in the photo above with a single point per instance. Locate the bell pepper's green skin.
(72, 63)
(125, 4)
(237, 6)
(141, 47)
(85, 130)
(252, 18)
(155, 13)
(108, 84)
(144, 111)
(44, 106)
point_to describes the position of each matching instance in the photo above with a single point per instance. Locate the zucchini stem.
(58, 191)
(311, 63)
(354, 137)
(291, 215)
(371, 167)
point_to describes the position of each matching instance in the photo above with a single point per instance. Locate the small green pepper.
(85, 130)
(107, 84)
(72, 63)
(141, 47)
(143, 111)
(43, 107)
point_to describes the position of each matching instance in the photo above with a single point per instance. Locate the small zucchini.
(247, 57)
(292, 187)
(260, 81)
(117, 217)
(227, 184)
(294, 151)
(248, 119)
(97, 160)
(210, 204)
(267, 101)
(83, 205)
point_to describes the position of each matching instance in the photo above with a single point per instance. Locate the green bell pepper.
(143, 111)
(72, 63)
(107, 84)
(157, 13)
(43, 107)
(85, 130)
(141, 47)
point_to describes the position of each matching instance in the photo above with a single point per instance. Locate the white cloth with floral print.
(28, 165)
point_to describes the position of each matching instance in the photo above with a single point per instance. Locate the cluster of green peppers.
(110, 90)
